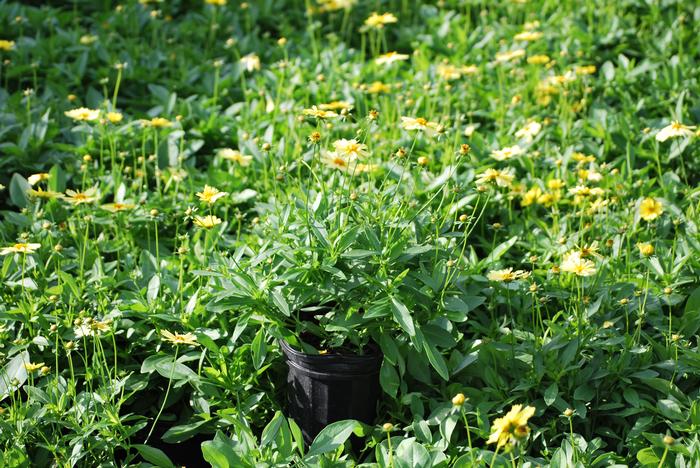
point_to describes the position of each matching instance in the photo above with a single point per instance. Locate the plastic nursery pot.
(322, 389)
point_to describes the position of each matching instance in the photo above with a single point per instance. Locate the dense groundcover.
(499, 199)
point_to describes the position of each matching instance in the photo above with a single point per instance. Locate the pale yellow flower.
(235, 156)
(31, 367)
(351, 149)
(250, 62)
(44, 194)
(538, 59)
(79, 198)
(83, 114)
(88, 39)
(529, 131)
(390, 57)
(36, 178)
(210, 194)
(215, 2)
(377, 21)
(179, 339)
(510, 55)
(378, 87)
(206, 222)
(117, 206)
(20, 247)
(502, 178)
(574, 263)
(507, 275)
(335, 105)
(419, 123)
(157, 122)
(507, 153)
(114, 117)
(314, 111)
(675, 130)
(528, 36)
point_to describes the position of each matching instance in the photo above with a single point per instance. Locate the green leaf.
(280, 302)
(220, 454)
(18, 190)
(670, 409)
(332, 436)
(499, 251)
(154, 455)
(182, 432)
(647, 457)
(436, 360)
(403, 316)
(259, 347)
(271, 430)
(153, 288)
(389, 379)
(13, 370)
(410, 454)
(551, 394)
(691, 314)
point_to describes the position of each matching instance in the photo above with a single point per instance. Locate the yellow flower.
(419, 123)
(458, 399)
(674, 130)
(650, 209)
(555, 184)
(179, 339)
(378, 87)
(452, 72)
(215, 2)
(502, 178)
(531, 196)
(45, 194)
(78, 198)
(210, 194)
(645, 249)
(528, 36)
(575, 263)
(333, 5)
(337, 161)
(314, 111)
(235, 156)
(206, 222)
(31, 367)
(83, 114)
(156, 122)
(389, 58)
(87, 39)
(529, 131)
(351, 149)
(116, 207)
(336, 105)
(36, 178)
(506, 431)
(507, 153)
(377, 21)
(114, 117)
(585, 70)
(20, 247)
(538, 59)
(507, 275)
(510, 55)
(250, 62)
(6, 45)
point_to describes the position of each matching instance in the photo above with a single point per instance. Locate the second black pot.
(322, 389)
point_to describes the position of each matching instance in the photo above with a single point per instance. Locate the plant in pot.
(357, 267)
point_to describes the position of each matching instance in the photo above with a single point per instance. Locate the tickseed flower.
(674, 130)
(36, 178)
(538, 59)
(645, 249)
(250, 62)
(377, 21)
(20, 247)
(502, 178)
(88, 39)
(574, 263)
(235, 156)
(337, 161)
(334, 5)
(390, 57)
(44, 194)
(157, 122)
(351, 149)
(210, 194)
(314, 111)
(510, 55)
(507, 153)
(83, 114)
(451, 72)
(507, 275)
(178, 338)
(114, 117)
(650, 209)
(206, 222)
(419, 123)
(531, 196)
(116, 207)
(78, 198)
(378, 87)
(336, 105)
(529, 131)
(387, 427)
(528, 36)
(31, 367)
(508, 430)
(215, 2)
(6, 45)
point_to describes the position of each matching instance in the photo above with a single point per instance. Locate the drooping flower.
(210, 194)
(650, 209)
(250, 62)
(507, 275)
(83, 114)
(390, 57)
(206, 222)
(20, 247)
(674, 130)
(179, 338)
(511, 428)
(31, 367)
(44, 194)
(235, 156)
(575, 263)
(79, 198)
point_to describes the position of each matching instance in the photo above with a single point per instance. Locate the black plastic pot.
(322, 389)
